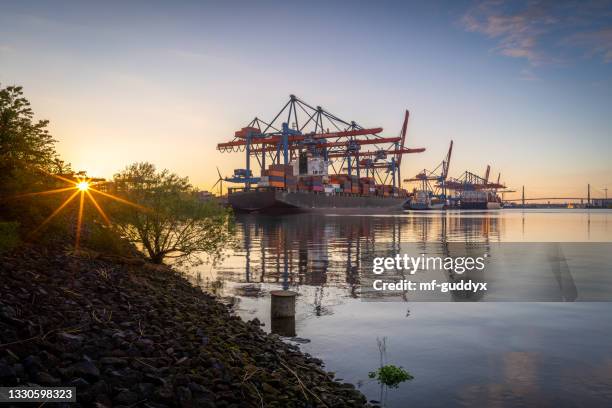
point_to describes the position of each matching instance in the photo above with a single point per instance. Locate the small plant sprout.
(390, 375)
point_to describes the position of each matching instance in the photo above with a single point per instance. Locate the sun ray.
(80, 219)
(83, 185)
(57, 176)
(121, 200)
(46, 192)
(100, 210)
(54, 213)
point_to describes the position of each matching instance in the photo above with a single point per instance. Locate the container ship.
(479, 200)
(304, 166)
(422, 200)
(281, 188)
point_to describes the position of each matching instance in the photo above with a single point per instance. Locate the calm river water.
(479, 353)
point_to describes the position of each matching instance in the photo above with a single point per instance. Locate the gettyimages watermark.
(412, 264)
(482, 271)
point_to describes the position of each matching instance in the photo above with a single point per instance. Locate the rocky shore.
(127, 333)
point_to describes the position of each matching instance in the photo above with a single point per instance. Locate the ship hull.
(480, 206)
(473, 205)
(295, 201)
(425, 206)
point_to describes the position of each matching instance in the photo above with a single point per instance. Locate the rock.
(268, 389)
(198, 388)
(204, 403)
(100, 387)
(184, 397)
(164, 394)
(145, 343)
(154, 379)
(85, 369)
(145, 390)
(8, 375)
(154, 340)
(79, 383)
(70, 338)
(126, 397)
(114, 361)
(44, 378)
(32, 364)
(19, 370)
(7, 312)
(300, 340)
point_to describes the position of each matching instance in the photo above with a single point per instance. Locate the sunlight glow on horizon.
(166, 85)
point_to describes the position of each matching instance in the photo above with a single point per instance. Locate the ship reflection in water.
(475, 353)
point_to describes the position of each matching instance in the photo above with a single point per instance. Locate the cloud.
(5, 48)
(595, 43)
(542, 31)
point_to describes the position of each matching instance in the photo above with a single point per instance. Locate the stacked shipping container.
(282, 176)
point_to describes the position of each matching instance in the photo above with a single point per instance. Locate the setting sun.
(83, 185)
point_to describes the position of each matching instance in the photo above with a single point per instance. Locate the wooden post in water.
(282, 303)
(283, 326)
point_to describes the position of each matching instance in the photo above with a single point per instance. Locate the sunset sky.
(525, 87)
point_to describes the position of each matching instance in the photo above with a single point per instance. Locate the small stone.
(78, 383)
(7, 312)
(85, 369)
(114, 361)
(32, 364)
(268, 389)
(198, 388)
(145, 342)
(100, 387)
(164, 394)
(70, 338)
(184, 397)
(126, 398)
(8, 374)
(145, 389)
(44, 378)
(155, 379)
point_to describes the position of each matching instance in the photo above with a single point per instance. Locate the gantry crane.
(435, 180)
(471, 181)
(299, 127)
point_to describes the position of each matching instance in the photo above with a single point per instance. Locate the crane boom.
(398, 157)
(277, 139)
(447, 161)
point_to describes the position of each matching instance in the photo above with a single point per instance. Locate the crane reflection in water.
(325, 258)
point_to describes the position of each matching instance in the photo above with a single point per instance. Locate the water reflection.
(316, 250)
(328, 251)
(476, 354)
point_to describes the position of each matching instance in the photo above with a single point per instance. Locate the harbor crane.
(299, 127)
(435, 180)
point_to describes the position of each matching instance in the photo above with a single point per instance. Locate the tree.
(27, 152)
(23, 141)
(169, 220)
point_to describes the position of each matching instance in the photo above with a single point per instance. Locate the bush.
(9, 236)
(167, 218)
(106, 240)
